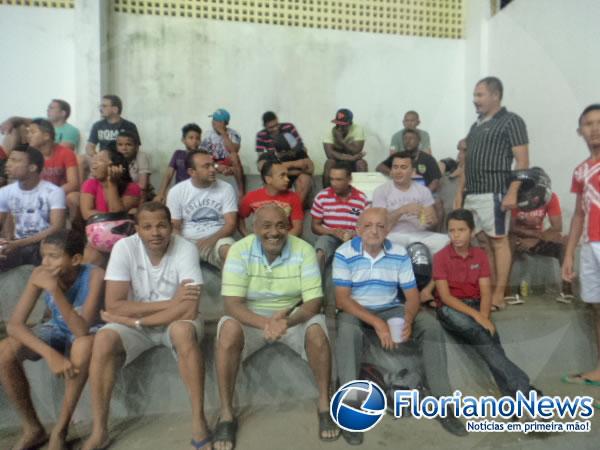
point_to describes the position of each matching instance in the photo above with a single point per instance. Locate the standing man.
(204, 209)
(496, 139)
(345, 142)
(153, 282)
(411, 122)
(224, 145)
(281, 142)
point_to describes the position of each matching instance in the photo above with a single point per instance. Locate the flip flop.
(514, 300)
(199, 444)
(353, 437)
(497, 308)
(326, 424)
(578, 379)
(225, 431)
(567, 299)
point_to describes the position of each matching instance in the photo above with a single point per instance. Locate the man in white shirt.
(153, 284)
(204, 209)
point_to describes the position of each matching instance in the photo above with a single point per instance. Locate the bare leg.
(229, 350)
(238, 174)
(81, 352)
(502, 259)
(12, 378)
(107, 355)
(223, 250)
(484, 242)
(326, 169)
(191, 369)
(303, 186)
(321, 260)
(319, 359)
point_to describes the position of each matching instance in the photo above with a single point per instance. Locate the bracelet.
(138, 324)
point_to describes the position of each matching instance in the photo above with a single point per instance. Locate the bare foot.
(593, 375)
(96, 441)
(32, 437)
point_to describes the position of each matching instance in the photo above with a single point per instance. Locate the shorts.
(22, 256)
(434, 241)
(294, 338)
(328, 245)
(135, 342)
(53, 336)
(590, 272)
(212, 256)
(488, 214)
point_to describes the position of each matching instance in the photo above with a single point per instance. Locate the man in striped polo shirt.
(272, 293)
(494, 140)
(335, 211)
(371, 275)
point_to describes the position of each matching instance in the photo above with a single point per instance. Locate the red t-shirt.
(55, 167)
(534, 220)
(94, 187)
(586, 182)
(337, 213)
(462, 274)
(290, 202)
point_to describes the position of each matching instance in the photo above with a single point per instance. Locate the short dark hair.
(494, 85)
(114, 101)
(267, 168)
(408, 131)
(461, 214)
(45, 126)
(401, 155)
(267, 117)
(152, 207)
(189, 158)
(64, 106)
(129, 135)
(190, 127)
(71, 241)
(590, 108)
(342, 165)
(413, 112)
(34, 156)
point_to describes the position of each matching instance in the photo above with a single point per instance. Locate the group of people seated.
(119, 264)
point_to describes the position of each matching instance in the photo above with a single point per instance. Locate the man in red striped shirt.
(335, 212)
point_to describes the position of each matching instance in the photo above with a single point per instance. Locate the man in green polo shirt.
(272, 293)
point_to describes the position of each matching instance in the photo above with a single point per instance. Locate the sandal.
(567, 299)
(514, 300)
(353, 437)
(199, 444)
(578, 379)
(226, 431)
(326, 424)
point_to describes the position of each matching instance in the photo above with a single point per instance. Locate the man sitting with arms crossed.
(368, 273)
(272, 292)
(152, 294)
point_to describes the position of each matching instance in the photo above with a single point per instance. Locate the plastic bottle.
(524, 288)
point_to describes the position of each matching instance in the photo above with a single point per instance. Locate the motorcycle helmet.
(104, 230)
(535, 190)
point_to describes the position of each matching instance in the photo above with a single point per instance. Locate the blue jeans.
(508, 376)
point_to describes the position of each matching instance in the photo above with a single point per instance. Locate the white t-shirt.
(31, 209)
(388, 196)
(202, 210)
(129, 261)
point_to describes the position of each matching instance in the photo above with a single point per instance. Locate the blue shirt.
(375, 282)
(76, 295)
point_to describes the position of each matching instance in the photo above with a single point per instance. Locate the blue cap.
(221, 115)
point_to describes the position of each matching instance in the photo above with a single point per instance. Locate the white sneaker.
(514, 299)
(567, 299)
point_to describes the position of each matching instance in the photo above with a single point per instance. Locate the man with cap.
(224, 144)
(345, 142)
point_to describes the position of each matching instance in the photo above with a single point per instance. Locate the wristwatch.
(138, 324)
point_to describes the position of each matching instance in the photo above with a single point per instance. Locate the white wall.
(37, 51)
(546, 54)
(171, 71)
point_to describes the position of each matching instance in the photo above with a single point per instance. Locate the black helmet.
(535, 190)
(420, 256)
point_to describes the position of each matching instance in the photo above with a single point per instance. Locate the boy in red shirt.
(586, 223)
(275, 190)
(462, 280)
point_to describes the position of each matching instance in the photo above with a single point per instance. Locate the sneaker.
(567, 299)
(514, 300)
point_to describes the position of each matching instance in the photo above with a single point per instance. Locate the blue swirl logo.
(363, 418)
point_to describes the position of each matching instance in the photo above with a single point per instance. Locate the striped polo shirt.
(287, 139)
(489, 153)
(270, 287)
(375, 282)
(337, 212)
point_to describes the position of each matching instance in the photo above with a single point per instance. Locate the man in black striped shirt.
(494, 140)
